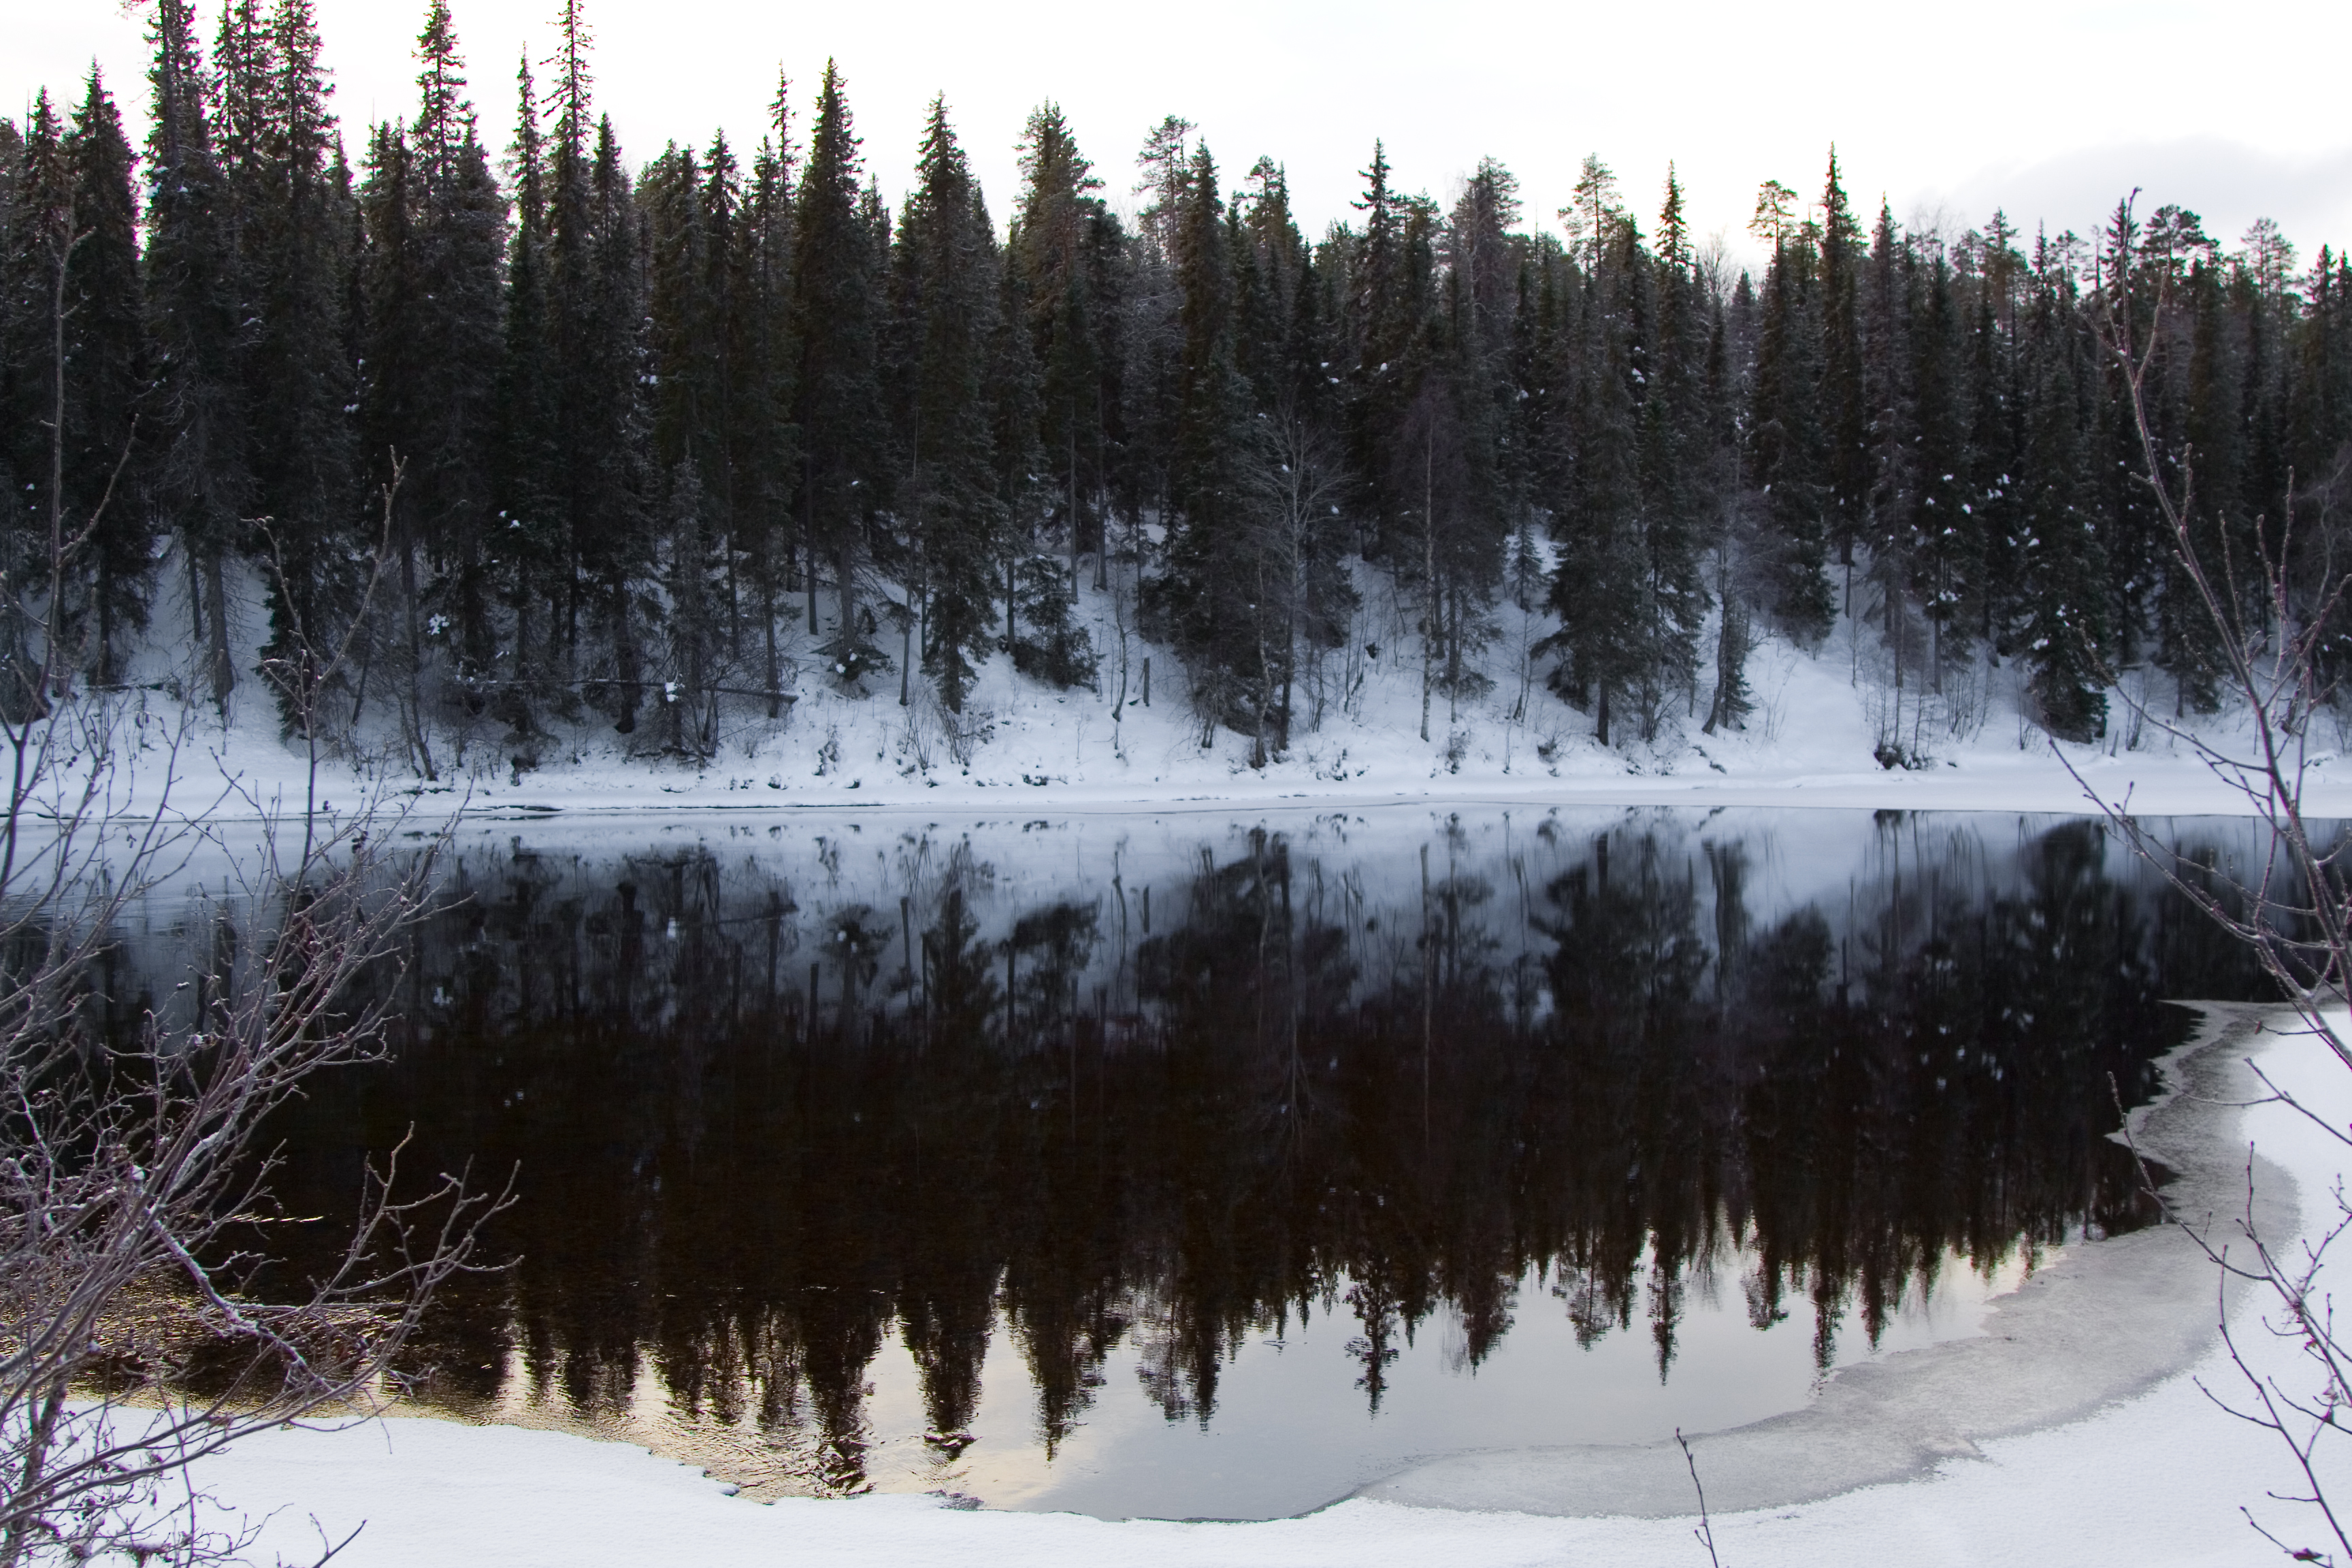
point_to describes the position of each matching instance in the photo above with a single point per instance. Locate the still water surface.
(1183, 1167)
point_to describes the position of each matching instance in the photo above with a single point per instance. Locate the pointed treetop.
(780, 116)
(942, 159)
(97, 103)
(1839, 231)
(1674, 226)
(1376, 181)
(522, 158)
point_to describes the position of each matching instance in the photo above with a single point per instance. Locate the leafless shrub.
(967, 731)
(2291, 907)
(141, 1329)
(135, 1194)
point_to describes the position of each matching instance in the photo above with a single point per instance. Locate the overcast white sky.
(2052, 109)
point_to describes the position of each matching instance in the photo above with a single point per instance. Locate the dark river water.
(1193, 1167)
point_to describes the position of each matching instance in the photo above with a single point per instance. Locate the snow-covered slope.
(1820, 718)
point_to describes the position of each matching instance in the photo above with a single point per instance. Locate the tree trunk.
(415, 657)
(223, 664)
(845, 595)
(774, 676)
(809, 533)
(625, 654)
(104, 669)
(1428, 578)
(1453, 652)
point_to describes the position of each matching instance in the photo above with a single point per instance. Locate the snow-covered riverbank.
(2155, 1480)
(1813, 740)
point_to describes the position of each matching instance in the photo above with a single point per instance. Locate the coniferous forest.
(554, 432)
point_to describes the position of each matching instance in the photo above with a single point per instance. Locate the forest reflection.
(774, 1103)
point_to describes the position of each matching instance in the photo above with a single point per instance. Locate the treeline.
(517, 437)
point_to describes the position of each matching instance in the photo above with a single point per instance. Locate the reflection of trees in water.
(756, 1139)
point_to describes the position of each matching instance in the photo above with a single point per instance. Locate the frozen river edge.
(2097, 1372)
(2106, 1321)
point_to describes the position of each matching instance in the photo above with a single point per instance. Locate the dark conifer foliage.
(460, 237)
(297, 228)
(1064, 241)
(1207, 609)
(195, 420)
(641, 416)
(529, 535)
(40, 238)
(107, 360)
(844, 429)
(945, 296)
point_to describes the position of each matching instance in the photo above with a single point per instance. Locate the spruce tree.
(768, 462)
(2131, 529)
(1600, 591)
(1207, 609)
(839, 411)
(1734, 535)
(729, 284)
(576, 456)
(2190, 650)
(683, 315)
(1786, 460)
(106, 370)
(528, 536)
(1014, 381)
(18, 505)
(432, 346)
(460, 235)
(39, 236)
(1891, 443)
(1844, 398)
(193, 423)
(1055, 243)
(1996, 438)
(1949, 542)
(1677, 505)
(1379, 326)
(945, 297)
(2067, 628)
(296, 223)
(394, 390)
(598, 464)
(611, 492)
(1474, 364)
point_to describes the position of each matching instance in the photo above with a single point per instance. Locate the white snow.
(1810, 742)
(2155, 1481)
